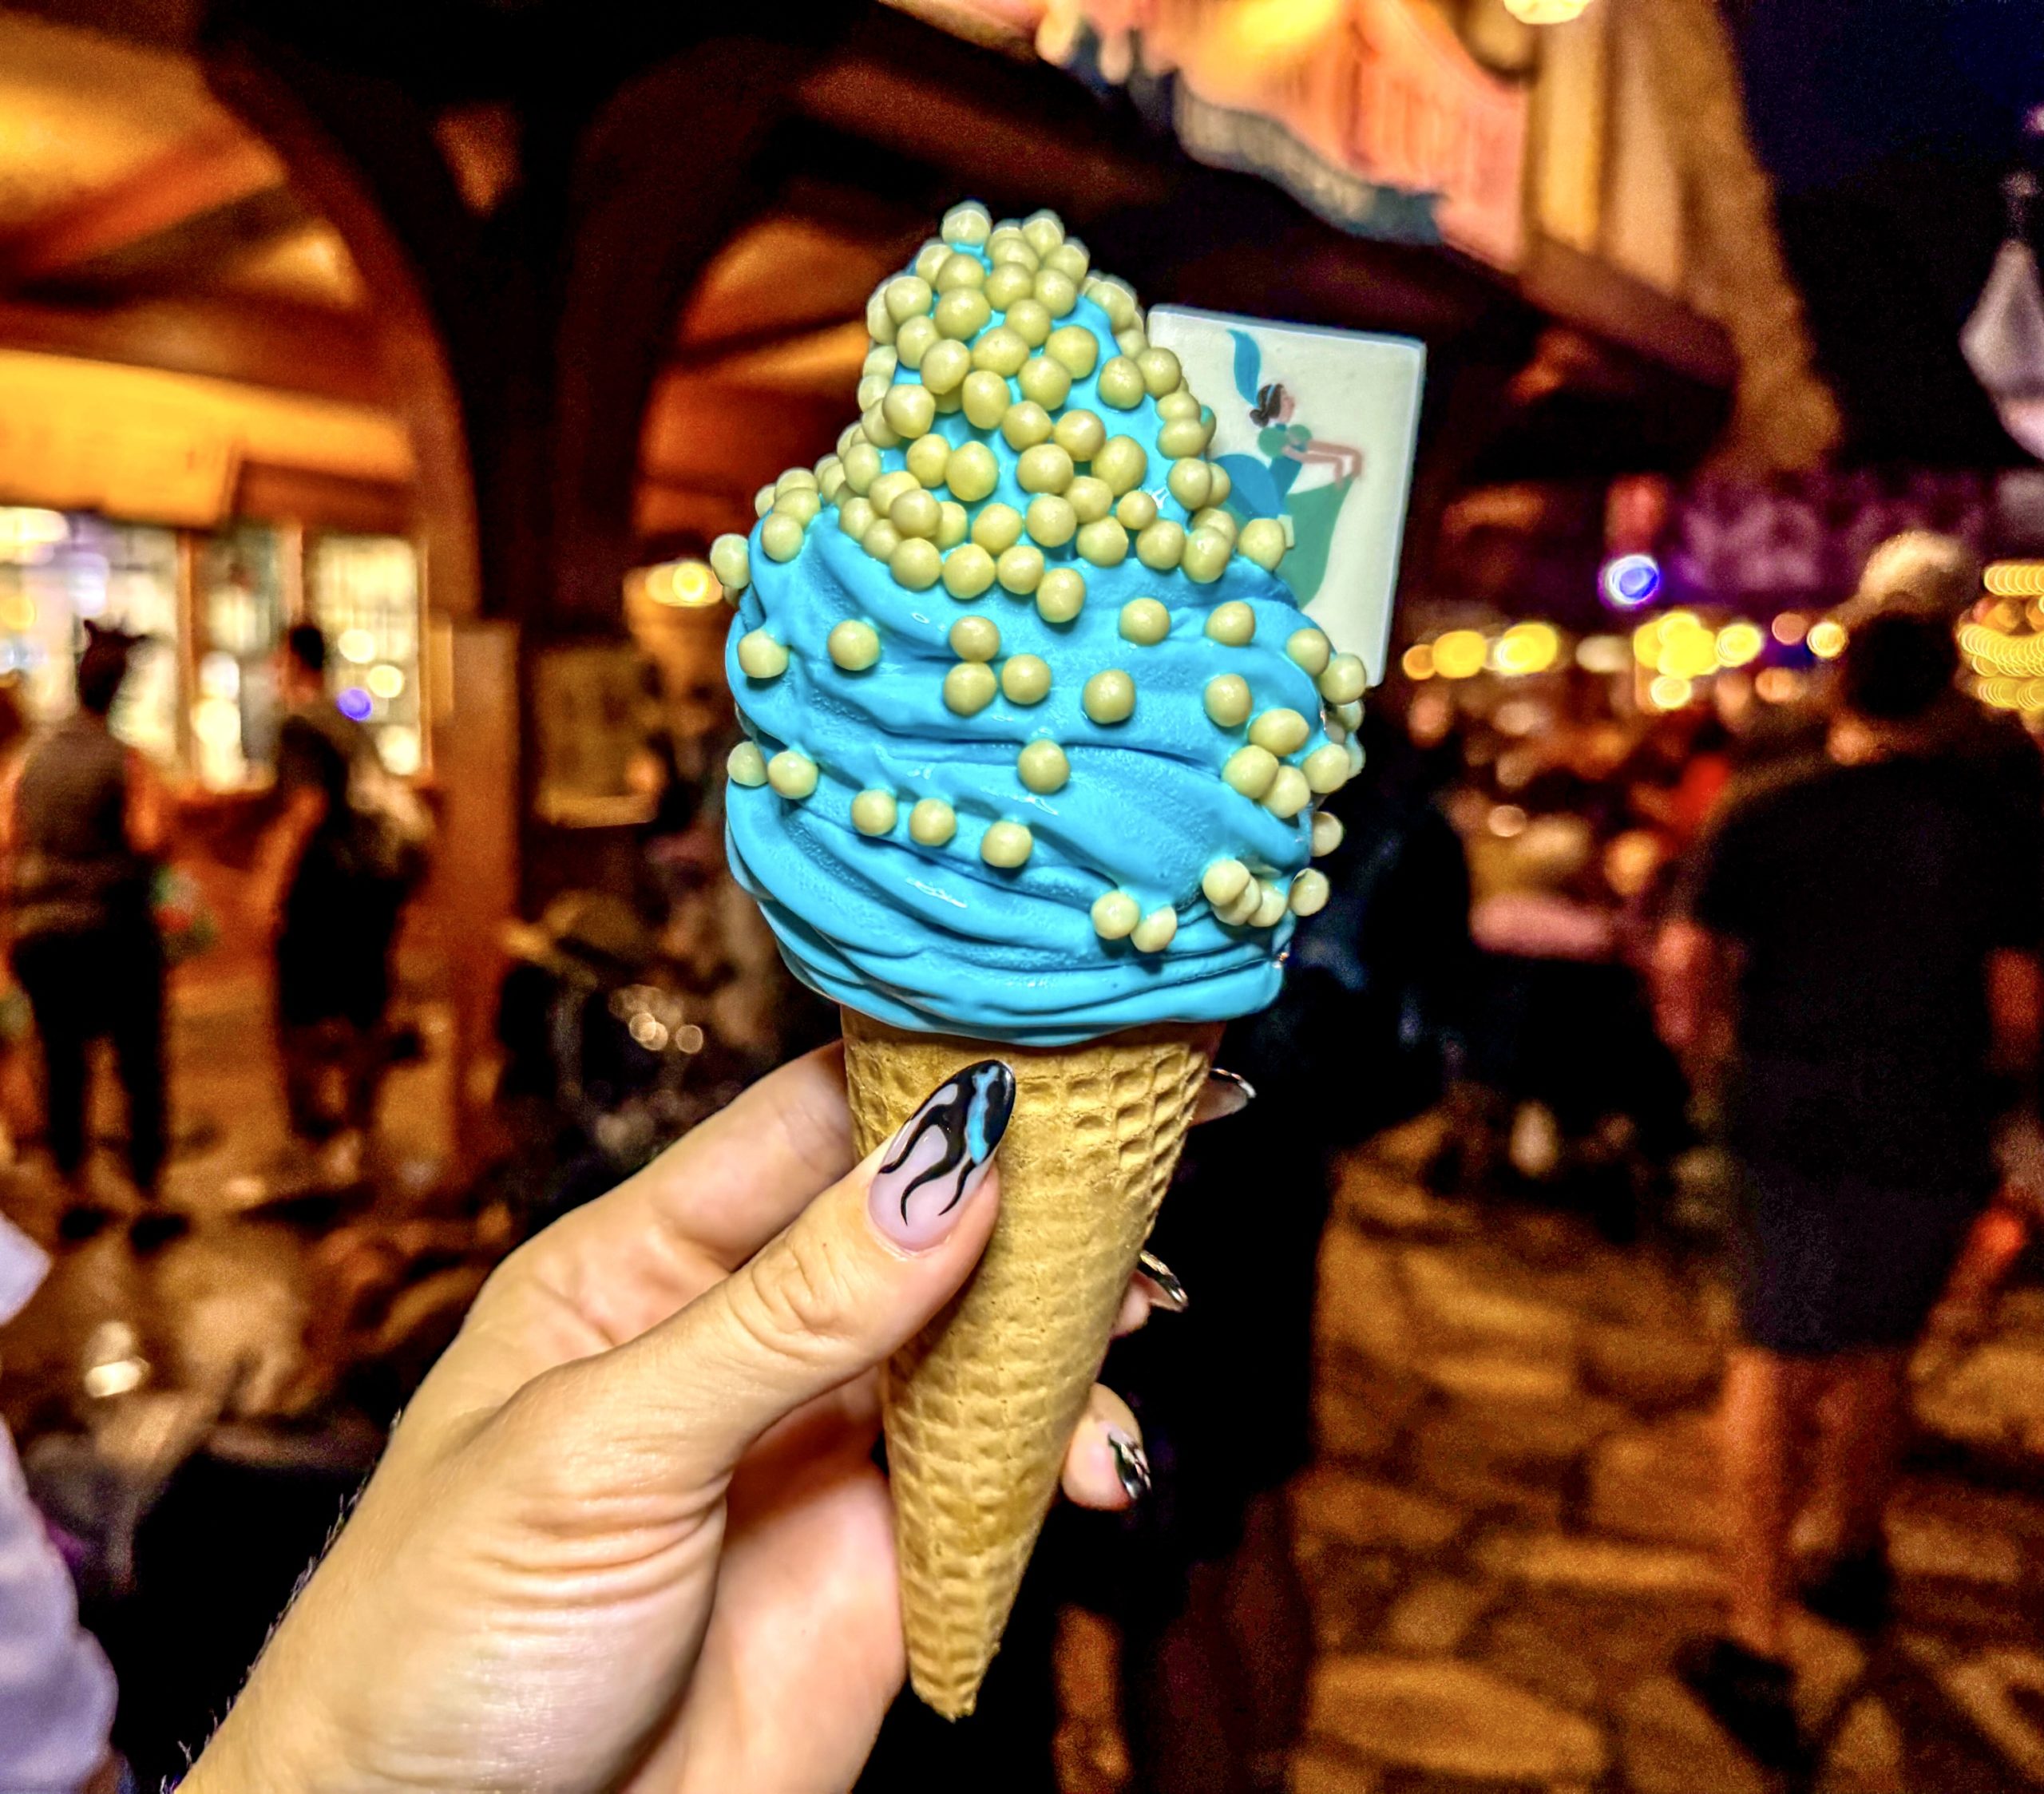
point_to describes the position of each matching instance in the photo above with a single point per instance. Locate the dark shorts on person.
(1830, 1263)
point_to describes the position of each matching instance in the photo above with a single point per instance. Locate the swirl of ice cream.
(1034, 732)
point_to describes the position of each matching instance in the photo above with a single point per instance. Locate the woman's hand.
(629, 1535)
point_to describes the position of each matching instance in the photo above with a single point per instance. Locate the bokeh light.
(1826, 639)
(1668, 692)
(1790, 627)
(1460, 654)
(1629, 581)
(1527, 647)
(1739, 644)
(1417, 661)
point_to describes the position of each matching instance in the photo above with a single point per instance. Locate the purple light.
(1629, 581)
(356, 702)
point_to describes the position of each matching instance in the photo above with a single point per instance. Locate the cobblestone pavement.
(1509, 1523)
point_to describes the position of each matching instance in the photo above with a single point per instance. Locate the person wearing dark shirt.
(334, 912)
(1859, 973)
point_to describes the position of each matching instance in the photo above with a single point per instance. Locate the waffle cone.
(980, 1406)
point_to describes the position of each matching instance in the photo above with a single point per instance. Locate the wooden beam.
(293, 348)
(208, 171)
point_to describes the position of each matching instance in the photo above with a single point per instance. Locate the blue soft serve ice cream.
(1035, 732)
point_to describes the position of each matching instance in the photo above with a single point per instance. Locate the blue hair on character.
(1249, 364)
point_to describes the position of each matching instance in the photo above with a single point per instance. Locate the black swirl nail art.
(1131, 1464)
(941, 1152)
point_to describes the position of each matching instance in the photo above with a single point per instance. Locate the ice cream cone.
(980, 1407)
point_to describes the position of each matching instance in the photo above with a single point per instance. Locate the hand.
(629, 1534)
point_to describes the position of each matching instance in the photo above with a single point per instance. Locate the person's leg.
(138, 1047)
(1869, 1404)
(1270, 1625)
(1189, 1730)
(48, 973)
(1768, 1401)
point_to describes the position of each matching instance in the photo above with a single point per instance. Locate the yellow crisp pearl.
(762, 502)
(968, 223)
(1050, 519)
(1242, 911)
(1080, 434)
(1103, 542)
(1206, 553)
(914, 340)
(1282, 731)
(731, 560)
(932, 822)
(1222, 486)
(1025, 678)
(1043, 381)
(791, 773)
(1327, 833)
(963, 314)
(1223, 881)
(915, 564)
(930, 260)
(1145, 622)
(1214, 517)
(1010, 251)
(1030, 320)
(862, 465)
(1069, 258)
(1156, 931)
(875, 812)
(1288, 792)
(1109, 697)
(1310, 892)
(1228, 699)
(984, 395)
(1001, 350)
(1115, 915)
(907, 294)
(909, 410)
(1176, 405)
(1182, 436)
(1057, 293)
(1115, 297)
(1006, 845)
(1326, 769)
(882, 540)
(879, 325)
(855, 645)
(952, 523)
(879, 361)
(1272, 902)
(1074, 348)
(1250, 771)
(968, 571)
(1060, 594)
(1045, 467)
(971, 473)
(1042, 230)
(1234, 625)
(1043, 768)
(1019, 568)
(1308, 648)
(1121, 461)
(794, 479)
(1189, 482)
(1121, 384)
(958, 271)
(746, 765)
(1161, 546)
(945, 366)
(1351, 714)
(1133, 341)
(761, 656)
(968, 688)
(1263, 541)
(1008, 284)
(1160, 371)
(975, 638)
(781, 536)
(1091, 498)
(1342, 682)
(832, 481)
(1137, 511)
(855, 517)
(889, 487)
(914, 514)
(997, 529)
(1026, 425)
(802, 504)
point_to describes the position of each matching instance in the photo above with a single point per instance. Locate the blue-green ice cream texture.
(1035, 732)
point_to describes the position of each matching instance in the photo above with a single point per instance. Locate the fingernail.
(1225, 1093)
(1131, 1467)
(1171, 1295)
(941, 1155)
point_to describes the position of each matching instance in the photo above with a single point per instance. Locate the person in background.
(83, 821)
(57, 1690)
(334, 905)
(1857, 967)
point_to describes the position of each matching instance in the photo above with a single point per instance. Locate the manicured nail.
(941, 1155)
(1131, 1467)
(1171, 1293)
(1224, 1094)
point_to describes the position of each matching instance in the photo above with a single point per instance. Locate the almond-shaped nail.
(1171, 1293)
(941, 1155)
(1131, 1464)
(1224, 1094)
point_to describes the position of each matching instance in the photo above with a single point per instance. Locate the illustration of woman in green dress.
(1265, 488)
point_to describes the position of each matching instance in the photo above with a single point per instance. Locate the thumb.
(852, 1278)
